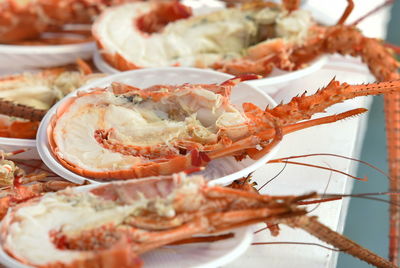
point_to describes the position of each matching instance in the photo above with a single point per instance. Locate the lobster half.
(25, 98)
(126, 132)
(27, 20)
(125, 219)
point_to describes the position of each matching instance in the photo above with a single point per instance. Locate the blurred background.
(367, 221)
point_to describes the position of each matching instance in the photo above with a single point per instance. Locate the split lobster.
(125, 219)
(27, 20)
(95, 134)
(25, 98)
(270, 39)
(167, 35)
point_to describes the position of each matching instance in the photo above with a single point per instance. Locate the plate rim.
(48, 49)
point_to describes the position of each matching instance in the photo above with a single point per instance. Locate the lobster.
(204, 41)
(126, 219)
(25, 98)
(96, 133)
(23, 22)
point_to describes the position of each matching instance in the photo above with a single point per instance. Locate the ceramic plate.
(201, 255)
(17, 58)
(221, 171)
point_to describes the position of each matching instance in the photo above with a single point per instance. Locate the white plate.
(18, 57)
(199, 255)
(222, 171)
(274, 78)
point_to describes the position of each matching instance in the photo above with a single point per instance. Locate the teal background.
(367, 221)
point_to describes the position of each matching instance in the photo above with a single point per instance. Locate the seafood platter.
(144, 155)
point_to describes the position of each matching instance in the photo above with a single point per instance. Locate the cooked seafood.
(199, 41)
(30, 95)
(109, 225)
(27, 19)
(125, 132)
(252, 38)
(17, 185)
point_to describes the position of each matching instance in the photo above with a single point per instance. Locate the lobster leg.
(392, 116)
(347, 12)
(269, 134)
(324, 233)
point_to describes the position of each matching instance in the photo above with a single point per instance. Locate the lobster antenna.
(339, 156)
(318, 201)
(316, 166)
(273, 178)
(393, 47)
(334, 197)
(370, 196)
(374, 10)
(294, 243)
(325, 189)
(265, 228)
(347, 12)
